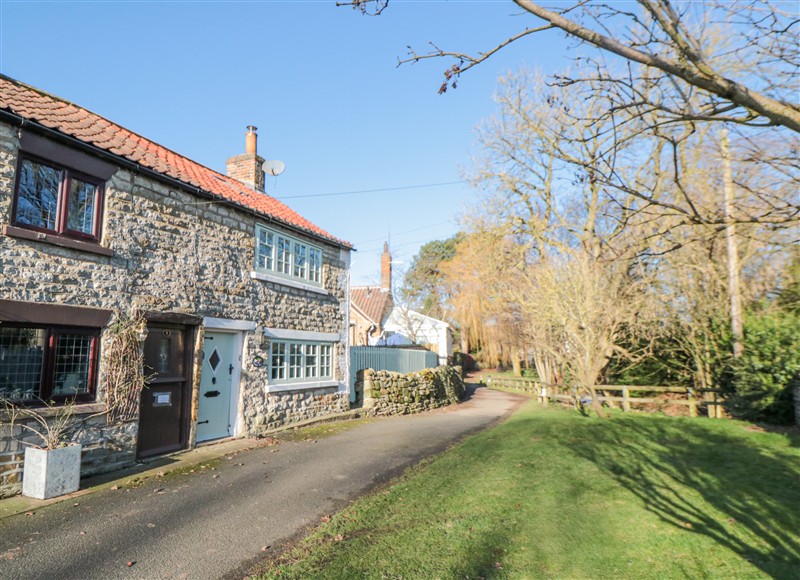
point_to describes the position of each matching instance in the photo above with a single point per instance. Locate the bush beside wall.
(389, 393)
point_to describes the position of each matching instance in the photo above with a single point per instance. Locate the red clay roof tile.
(69, 119)
(374, 302)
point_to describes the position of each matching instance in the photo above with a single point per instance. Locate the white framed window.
(298, 361)
(326, 360)
(300, 251)
(278, 361)
(314, 265)
(287, 257)
(311, 362)
(265, 249)
(284, 262)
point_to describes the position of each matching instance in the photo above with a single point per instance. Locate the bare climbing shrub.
(125, 370)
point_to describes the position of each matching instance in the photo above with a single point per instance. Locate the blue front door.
(216, 382)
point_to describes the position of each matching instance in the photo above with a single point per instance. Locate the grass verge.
(552, 494)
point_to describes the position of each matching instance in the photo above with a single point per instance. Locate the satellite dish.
(273, 167)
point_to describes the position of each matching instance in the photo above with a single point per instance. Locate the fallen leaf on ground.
(325, 519)
(114, 487)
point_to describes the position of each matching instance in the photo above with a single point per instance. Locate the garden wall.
(389, 393)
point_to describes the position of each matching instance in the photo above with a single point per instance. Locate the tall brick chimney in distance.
(247, 167)
(386, 268)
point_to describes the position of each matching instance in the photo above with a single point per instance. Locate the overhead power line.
(383, 238)
(370, 190)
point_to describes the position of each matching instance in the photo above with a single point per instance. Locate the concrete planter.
(51, 472)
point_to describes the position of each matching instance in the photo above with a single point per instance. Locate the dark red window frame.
(48, 379)
(62, 204)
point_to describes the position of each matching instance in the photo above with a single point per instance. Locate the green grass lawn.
(550, 493)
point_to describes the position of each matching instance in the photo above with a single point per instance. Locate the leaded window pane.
(72, 364)
(21, 362)
(82, 200)
(37, 201)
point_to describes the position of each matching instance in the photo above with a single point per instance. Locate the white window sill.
(279, 388)
(283, 281)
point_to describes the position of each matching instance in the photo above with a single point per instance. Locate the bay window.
(287, 257)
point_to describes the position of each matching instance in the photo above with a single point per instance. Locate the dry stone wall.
(174, 252)
(390, 393)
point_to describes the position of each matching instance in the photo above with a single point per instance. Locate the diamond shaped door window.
(214, 360)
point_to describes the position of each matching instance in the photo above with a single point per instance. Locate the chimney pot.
(386, 268)
(251, 140)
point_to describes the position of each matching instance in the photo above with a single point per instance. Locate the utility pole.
(734, 289)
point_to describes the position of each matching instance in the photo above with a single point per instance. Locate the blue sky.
(321, 83)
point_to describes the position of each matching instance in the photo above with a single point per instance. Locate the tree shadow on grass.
(678, 468)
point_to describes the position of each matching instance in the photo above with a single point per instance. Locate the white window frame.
(295, 358)
(314, 265)
(265, 249)
(288, 258)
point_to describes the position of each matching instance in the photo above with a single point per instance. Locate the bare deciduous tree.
(672, 38)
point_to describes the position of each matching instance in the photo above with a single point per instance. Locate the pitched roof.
(67, 118)
(372, 301)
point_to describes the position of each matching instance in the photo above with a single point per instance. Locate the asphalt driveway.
(218, 519)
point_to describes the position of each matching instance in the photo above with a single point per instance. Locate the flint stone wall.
(390, 393)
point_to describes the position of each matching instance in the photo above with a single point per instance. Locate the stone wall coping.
(301, 386)
(283, 281)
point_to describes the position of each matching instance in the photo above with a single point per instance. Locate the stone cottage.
(236, 306)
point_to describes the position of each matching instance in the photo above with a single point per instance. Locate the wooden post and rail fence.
(627, 396)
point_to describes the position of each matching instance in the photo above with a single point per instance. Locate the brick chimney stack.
(247, 167)
(386, 268)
